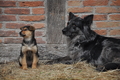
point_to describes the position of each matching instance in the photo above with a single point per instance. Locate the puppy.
(29, 52)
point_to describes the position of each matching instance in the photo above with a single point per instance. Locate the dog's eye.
(25, 30)
(74, 25)
(74, 28)
(68, 23)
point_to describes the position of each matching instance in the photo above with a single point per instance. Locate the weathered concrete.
(11, 52)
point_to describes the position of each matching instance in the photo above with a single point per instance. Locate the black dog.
(29, 51)
(86, 45)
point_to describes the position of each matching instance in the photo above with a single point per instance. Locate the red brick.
(12, 40)
(39, 33)
(39, 25)
(31, 3)
(7, 18)
(100, 17)
(32, 18)
(1, 41)
(17, 11)
(80, 10)
(114, 17)
(74, 3)
(107, 10)
(101, 32)
(0, 25)
(40, 41)
(107, 24)
(97, 17)
(8, 33)
(38, 10)
(115, 32)
(115, 3)
(15, 25)
(95, 2)
(7, 3)
(0, 11)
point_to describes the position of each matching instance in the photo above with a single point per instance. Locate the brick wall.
(106, 14)
(17, 13)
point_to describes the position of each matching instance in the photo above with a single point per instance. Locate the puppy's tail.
(108, 66)
(64, 60)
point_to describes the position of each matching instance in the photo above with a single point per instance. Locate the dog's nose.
(64, 30)
(19, 33)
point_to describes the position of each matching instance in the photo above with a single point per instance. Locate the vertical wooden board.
(55, 21)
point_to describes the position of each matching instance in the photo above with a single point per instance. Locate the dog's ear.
(71, 16)
(88, 20)
(32, 28)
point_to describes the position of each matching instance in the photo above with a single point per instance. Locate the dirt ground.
(78, 71)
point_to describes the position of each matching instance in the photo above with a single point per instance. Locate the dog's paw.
(24, 68)
(34, 66)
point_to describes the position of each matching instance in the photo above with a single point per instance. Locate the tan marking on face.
(24, 28)
(28, 34)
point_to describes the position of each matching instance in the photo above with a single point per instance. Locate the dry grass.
(79, 71)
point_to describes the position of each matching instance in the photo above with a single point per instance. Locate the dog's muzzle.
(21, 34)
(64, 31)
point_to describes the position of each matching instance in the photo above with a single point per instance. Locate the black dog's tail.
(108, 66)
(65, 60)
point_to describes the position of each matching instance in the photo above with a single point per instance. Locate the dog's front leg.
(24, 63)
(35, 60)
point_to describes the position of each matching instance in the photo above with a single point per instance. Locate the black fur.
(86, 45)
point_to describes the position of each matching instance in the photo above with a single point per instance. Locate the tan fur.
(33, 49)
(27, 33)
(35, 60)
(24, 63)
